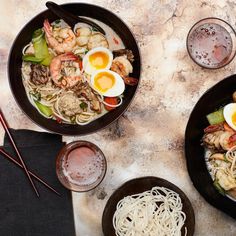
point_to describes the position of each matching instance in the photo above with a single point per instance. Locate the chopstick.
(5, 154)
(5, 126)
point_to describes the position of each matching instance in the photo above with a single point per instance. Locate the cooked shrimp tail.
(60, 39)
(65, 70)
(69, 56)
(47, 28)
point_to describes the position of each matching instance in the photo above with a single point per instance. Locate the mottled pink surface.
(148, 139)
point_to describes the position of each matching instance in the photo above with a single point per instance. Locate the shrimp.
(124, 52)
(122, 66)
(60, 39)
(82, 35)
(97, 40)
(65, 70)
(219, 137)
(219, 140)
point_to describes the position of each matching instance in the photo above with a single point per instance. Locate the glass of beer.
(81, 166)
(211, 43)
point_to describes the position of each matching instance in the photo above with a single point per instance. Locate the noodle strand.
(151, 213)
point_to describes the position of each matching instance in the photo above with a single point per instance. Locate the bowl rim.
(158, 179)
(204, 19)
(207, 196)
(112, 121)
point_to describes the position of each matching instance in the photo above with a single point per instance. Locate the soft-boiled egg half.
(229, 113)
(107, 83)
(97, 59)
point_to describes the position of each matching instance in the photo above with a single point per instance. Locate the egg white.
(88, 68)
(116, 90)
(228, 112)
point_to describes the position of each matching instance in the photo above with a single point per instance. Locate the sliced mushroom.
(39, 74)
(85, 91)
(96, 106)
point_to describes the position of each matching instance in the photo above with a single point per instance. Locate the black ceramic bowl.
(24, 37)
(214, 98)
(140, 185)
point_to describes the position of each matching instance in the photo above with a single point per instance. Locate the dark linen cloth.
(22, 213)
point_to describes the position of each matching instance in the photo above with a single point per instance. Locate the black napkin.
(22, 213)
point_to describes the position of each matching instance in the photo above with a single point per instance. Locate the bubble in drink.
(210, 45)
(83, 166)
(80, 166)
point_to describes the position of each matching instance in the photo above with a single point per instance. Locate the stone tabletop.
(148, 139)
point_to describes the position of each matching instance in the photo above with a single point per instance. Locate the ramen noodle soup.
(219, 141)
(75, 76)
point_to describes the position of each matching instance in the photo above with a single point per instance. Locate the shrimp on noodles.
(65, 70)
(60, 39)
(55, 75)
(97, 40)
(83, 35)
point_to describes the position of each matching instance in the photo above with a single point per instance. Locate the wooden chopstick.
(5, 126)
(5, 154)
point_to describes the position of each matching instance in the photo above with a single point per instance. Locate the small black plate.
(24, 37)
(211, 100)
(140, 185)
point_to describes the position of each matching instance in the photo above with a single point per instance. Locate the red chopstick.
(5, 154)
(5, 126)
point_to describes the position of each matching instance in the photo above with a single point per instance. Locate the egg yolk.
(99, 60)
(234, 118)
(104, 81)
